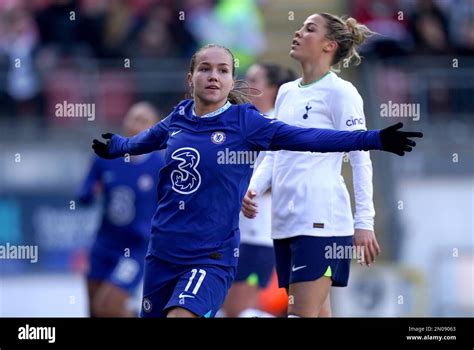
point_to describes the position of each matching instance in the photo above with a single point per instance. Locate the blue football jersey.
(130, 197)
(207, 172)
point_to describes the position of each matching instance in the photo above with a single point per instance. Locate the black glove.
(102, 149)
(397, 142)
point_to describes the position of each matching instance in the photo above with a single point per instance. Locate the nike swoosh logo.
(294, 268)
(181, 295)
(175, 132)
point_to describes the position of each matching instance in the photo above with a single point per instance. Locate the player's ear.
(190, 80)
(330, 46)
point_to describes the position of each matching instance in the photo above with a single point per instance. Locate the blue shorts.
(123, 271)
(200, 289)
(256, 264)
(307, 258)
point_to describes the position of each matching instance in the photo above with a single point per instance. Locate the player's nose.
(213, 76)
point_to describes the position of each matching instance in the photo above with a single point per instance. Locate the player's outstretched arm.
(391, 139)
(145, 142)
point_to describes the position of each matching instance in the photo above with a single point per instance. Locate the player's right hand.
(249, 207)
(101, 148)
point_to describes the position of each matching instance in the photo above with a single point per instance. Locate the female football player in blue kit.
(117, 255)
(209, 141)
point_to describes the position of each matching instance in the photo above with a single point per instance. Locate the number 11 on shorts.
(196, 287)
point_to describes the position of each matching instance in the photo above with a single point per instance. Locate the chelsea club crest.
(218, 137)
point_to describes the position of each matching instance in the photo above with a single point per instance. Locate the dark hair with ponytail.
(236, 95)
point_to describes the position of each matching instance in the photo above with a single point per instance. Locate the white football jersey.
(309, 196)
(257, 231)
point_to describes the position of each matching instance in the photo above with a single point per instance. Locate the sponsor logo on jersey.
(355, 121)
(186, 179)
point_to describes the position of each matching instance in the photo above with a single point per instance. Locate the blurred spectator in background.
(118, 23)
(92, 23)
(462, 25)
(58, 25)
(418, 28)
(164, 34)
(381, 16)
(18, 42)
(429, 26)
(68, 38)
(237, 25)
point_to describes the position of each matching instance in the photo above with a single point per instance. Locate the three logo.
(186, 179)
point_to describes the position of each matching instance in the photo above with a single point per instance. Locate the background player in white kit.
(311, 212)
(256, 257)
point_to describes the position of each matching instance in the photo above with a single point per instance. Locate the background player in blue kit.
(129, 188)
(194, 244)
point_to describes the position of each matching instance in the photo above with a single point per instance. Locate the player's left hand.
(370, 247)
(396, 141)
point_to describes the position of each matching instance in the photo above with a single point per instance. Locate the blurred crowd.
(44, 38)
(45, 43)
(421, 27)
(431, 38)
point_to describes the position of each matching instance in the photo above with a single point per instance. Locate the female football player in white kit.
(311, 212)
(256, 260)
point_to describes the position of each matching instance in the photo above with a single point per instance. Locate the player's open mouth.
(212, 87)
(294, 44)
